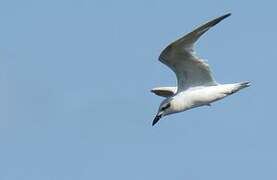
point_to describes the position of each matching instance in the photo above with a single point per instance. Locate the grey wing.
(164, 91)
(179, 56)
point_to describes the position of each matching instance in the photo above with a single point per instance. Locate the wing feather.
(164, 91)
(179, 56)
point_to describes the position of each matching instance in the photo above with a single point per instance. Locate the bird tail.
(236, 87)
(244, 85)
(240, 86)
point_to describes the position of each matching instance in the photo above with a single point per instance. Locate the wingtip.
(223, 17)
(227, 15)
(217, 20)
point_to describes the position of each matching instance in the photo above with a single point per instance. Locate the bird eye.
(165, 107)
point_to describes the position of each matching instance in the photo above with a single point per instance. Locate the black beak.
(157, 118)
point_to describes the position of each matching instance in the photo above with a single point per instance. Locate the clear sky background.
(75, 104)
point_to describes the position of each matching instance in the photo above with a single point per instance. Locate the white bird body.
(199, 96)
(195, 84)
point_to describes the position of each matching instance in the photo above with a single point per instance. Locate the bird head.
(164, 109)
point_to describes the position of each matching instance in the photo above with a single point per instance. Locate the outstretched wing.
(164, 91)
(179, 56)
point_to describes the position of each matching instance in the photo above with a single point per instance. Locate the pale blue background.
(74, 91)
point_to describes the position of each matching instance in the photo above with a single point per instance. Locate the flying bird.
(196, 85)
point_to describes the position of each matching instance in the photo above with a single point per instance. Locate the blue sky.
(75, 102)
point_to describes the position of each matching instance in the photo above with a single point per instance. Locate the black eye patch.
(165, 107)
